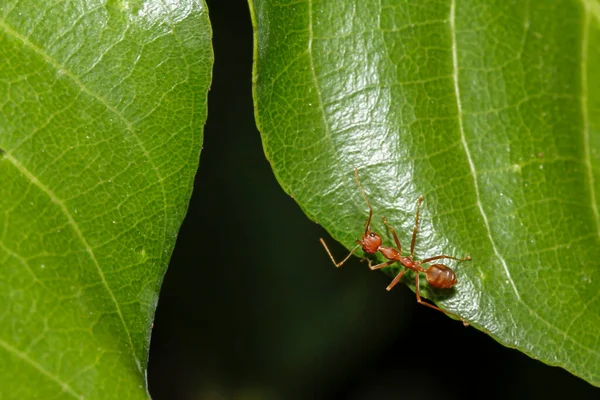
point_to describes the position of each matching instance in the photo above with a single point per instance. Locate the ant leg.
(382, 265)
(467, 258)
(368, 222)
(418, 291)
(387, 264)
(396, 280)
(333, 259)
(393, 234)
(414, 238)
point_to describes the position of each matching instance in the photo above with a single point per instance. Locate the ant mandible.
(438, 275)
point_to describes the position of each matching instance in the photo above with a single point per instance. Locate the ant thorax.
(390, 253)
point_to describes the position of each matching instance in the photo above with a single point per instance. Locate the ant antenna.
(368, 222)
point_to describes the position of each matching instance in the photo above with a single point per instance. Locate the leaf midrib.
(474, 174)
(584, 113)
(466, 146)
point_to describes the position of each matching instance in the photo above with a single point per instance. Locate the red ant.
(438, 275)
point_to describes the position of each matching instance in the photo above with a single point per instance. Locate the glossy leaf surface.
(491, 110)
(102, 109)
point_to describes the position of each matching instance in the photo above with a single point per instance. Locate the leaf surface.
(102, 109)
(489, 110)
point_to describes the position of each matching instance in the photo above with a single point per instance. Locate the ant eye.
(372, 234)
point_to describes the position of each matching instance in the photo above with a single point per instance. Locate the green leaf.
(102, 109)
(490, 110)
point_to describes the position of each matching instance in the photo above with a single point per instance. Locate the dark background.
(252, 308)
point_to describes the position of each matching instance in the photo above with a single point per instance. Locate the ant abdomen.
(440, 276)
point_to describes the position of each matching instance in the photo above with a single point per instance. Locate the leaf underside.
(490, 110)
(103, 104)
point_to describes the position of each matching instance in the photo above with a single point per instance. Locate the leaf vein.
(81, 237)
(40, 368)
(62, 69)
(316, 82)
(592, 8)
(586, 119)
(466, 147)
(564, 334)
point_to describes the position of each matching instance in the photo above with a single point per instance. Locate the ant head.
(440, 276)
(370, 242)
